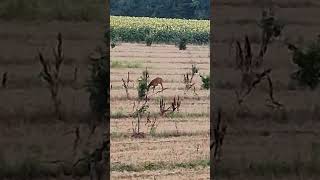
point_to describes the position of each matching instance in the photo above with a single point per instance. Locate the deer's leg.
(153, 88)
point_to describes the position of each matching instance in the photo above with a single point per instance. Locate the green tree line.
(184, 9)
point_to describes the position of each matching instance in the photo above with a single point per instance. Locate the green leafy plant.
(205, 81)
(98, 86)
(138, 114)
(308, 62)
(143, 84)
(115, 41)
(149, 38)
(182, 43)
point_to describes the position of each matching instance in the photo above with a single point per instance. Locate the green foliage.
(98, 85)
(187, 9)
(143, 84)
(149, 39)
(182, 43)
(205, 81)
(115, 41)
(160, 30)
(125, 64)
(142, 88)
(308, 62)
(153, 130)
(151, 166)
(140, 111)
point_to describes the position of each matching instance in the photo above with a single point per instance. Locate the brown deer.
(155, 82)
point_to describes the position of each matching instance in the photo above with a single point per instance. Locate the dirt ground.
(29, 131)
(262, 143)
(178, 141)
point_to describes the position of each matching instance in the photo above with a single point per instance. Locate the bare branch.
(4, 79)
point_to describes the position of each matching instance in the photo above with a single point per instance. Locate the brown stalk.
(219, 132)
(75, 74)
(53, 77)
(163, 109)
(273, 101)
(4, 79)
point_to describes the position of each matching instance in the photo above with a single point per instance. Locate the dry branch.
(219, 132)
(188, 81)
(77, 139)
(137, 113)
(75, 74)
(273, 101)
(257, 80)
(4, 79)
(163, 109)
(175, 105)
(52, 75)
(125, 84)
(250, 77)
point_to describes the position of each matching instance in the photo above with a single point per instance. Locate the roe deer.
(155, 82)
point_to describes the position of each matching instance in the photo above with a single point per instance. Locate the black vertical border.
(211, 43)
(107, 42)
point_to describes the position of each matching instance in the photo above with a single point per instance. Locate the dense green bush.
(149, 39)
(182, 43)
(143, 84)
(308, 62)
(205, 81)
(98, 85)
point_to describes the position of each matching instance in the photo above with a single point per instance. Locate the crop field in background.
(135, 29)
(178, 147)
(63, 10)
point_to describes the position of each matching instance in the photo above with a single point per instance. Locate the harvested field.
(179, 147)
(32, 138)
(261, 142)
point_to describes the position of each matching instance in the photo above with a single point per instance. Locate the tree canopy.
(183, 9)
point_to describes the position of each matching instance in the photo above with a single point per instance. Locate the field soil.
(261, 142)
(30, 133)
(179, 147)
